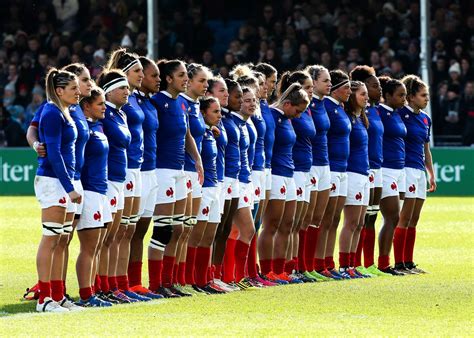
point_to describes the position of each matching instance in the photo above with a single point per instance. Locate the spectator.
(467, 111)
(36, 101)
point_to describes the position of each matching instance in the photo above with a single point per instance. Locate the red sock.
(167, 273)
(278, 265)
(289, 266)
(369, 247)
(312, 235)
(319, 264)
(409, 245)
(266, 266)
(241, 254)
(182, 273)
(122, 282)
(113, 283)
(218, 271)
(175, 273)
(344, 259)
(57, 290)
(201, 263)
(154, 273)
(97, 282)
(134, 273)
(329, 262)
(229, 260)
(44, 291)
(64, 286)
(85, 293)
(190, 265)
(352, 259)
(104, 283)
(252, 258)
(295, 260)
(360, 245)
(210, 274)
(384, 262)
(302, 251)
(399, 238)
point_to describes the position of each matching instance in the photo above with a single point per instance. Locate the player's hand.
(215, 131)
(200, 171)
(75, 197)
(39, 148)
(433, 185)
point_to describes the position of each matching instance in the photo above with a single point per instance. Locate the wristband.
(35, 145)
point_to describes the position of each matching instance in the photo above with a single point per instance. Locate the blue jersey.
(418, 133)
(135, 118)
(338, 135)
(35, 121)
(150, 127)
(285, 138)
(94, 171)
(232, 150)
(171, 135)
(197, 126)
(393, 138)
(59, 136)
(302, 150)
(221, 145)
(359, 148)
(82, 136)
(269, 132)
(253, 140)
(209, 159)
(244, 144)
(322, 124)
(259, 157)
(375, 138)
(119, 137)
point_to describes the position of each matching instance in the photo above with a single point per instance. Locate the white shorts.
(320, 178)
(221, 195)
(358, 189)
(192, 184)
(133, 183)
(115, 196)
(95, 213)
(393, 182)
(231, 188)
(338, 184)
(402, 187)
(259, 184)
(375, 178)
(171, 185)
(283, 188)
(303, 186)
(268, 179)
(245, 195)
(76, 207)
(210, 209)
(415, 183)
(50, 192)
(148, 196)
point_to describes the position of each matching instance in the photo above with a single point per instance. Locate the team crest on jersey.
(388, 114)
(407, 116)
(166, 105)
(279, 120)
(335, 111)
(425, 120)
(313, 105)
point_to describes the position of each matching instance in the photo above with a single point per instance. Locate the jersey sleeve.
(36, 118)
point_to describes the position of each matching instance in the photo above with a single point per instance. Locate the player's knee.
(162, 232)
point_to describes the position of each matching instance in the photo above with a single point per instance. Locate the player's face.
(262, 87)
(119, 96)
(271, 83)
(213, 115)
(220, 92)
(178, 81)
(96, 109)
(294, 111)
(249, 104)
(308, 86)
(374, 88)
(70, 94)
(322, 86)
(235, 99)
(343, 93)
(398, 99)
(85, 83)
(151, 80)
(420, 99)
(135, 76)
(362, 97)
(198, 84)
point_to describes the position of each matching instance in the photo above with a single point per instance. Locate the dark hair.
(265, 68)
(389, 85)
(108, 75)
(194, 68)
(206, 101)
(413, 84)
(167, 68)
(75, 68)
(213, 80)
(294, 94)
(315, 70)
(121, 59)
(145, 61)
(95, 93)
(362, 73)
(288, 78)
(57, 79)
(231, 85)
(351, 105)
(247, 90)
(337, 77)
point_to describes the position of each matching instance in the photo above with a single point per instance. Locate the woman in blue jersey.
(173, 140)
(393, 176)
(281, 208)
(130, 64)
(150, 85)
(418, 160)
(116, 89)
(303, 159)
(338, 150)
(96, 211)
(357, 180)
(54, 178)
(366, 244)
(320, 177)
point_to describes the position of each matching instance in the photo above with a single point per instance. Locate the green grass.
(439, 303)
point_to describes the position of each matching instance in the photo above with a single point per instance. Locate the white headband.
(114, 84)
(130, 65)
(340, 84)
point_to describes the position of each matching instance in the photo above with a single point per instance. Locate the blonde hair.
(293, 94)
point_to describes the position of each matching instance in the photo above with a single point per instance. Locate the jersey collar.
(188, 98)
(386, 107)
(167, 94)
(237, 115)
(110, 104)
(318, 97)
(140, 93)
(410, 108)
(333, 100)
(279, 110)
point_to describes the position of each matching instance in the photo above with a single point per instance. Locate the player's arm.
(429, 168)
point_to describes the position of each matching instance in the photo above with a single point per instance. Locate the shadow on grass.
(20, 307)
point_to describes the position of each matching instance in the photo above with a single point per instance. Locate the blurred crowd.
(287, 34)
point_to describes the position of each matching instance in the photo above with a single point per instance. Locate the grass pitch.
(436, 304)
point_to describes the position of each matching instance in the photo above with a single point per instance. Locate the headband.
(114, 84)
(340, 84)
(130, 65)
